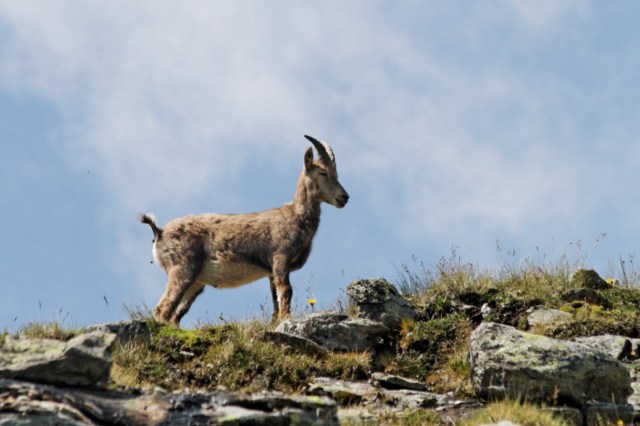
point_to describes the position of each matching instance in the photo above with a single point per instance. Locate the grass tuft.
(53, 330)
(516, 412)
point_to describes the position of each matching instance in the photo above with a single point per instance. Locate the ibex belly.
(230, 274)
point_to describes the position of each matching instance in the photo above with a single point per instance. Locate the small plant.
(139, 312)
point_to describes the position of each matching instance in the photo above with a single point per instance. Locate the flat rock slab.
(510, 363)
(391, 381)
(30, 403)
(546, 316)
(350, 394)
(82, 361)
(337, 332)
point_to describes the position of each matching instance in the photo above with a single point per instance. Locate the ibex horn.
(324, 150)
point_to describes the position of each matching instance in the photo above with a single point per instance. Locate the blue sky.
(453, 123)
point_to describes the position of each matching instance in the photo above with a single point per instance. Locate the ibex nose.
(342, 199)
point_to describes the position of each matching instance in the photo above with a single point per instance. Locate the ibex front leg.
(281, 288)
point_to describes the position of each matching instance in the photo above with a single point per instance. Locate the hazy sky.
(453, 123)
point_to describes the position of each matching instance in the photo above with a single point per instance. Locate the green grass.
(411, 418)
(517, 412)
(231, 355)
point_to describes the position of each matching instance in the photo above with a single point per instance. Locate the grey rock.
(82, 361)
(390, 381)
(618, 347)
(274, 409)
(379, 300)
(545, 316)
(337, 331)
(634, 399)
(344, 392)
(348, 393)
(22, 411)
(635, 348)
(126, 331)
(502, 423)
(588, 278)
(510, 363)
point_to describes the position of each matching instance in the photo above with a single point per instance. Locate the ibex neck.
(306, 204)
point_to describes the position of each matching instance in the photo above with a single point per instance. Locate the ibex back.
(231, 250)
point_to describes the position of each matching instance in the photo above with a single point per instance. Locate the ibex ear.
(308, 159)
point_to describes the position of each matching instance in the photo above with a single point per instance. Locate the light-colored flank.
(231, 250)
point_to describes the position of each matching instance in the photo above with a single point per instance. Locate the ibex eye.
(324, 174)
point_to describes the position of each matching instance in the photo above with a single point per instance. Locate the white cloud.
(170, 103)
(542, 15)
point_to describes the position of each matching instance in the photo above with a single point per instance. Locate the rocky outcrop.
(27, 403)
(337, 332)
(378, 300)
(126, 331)
(586, 381)
(377, 397)
(588, 287)
(82, 361)
(380, 309)
(589, 279)
(510, 363)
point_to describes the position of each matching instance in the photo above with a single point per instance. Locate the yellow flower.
(312, 301)
(611, 281)
(620, 422)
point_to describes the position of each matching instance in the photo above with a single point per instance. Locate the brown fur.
(228, 251)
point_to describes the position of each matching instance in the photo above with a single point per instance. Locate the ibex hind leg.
(187, 300)
(180, 280)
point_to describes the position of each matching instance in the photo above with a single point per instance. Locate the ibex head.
(324, 174)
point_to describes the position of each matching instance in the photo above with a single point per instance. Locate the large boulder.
(379, 300)
(507, 362)
(84, 360)
(337, 331)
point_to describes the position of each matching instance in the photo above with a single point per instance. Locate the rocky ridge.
(589, 380)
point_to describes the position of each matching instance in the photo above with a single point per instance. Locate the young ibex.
(228, 251)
